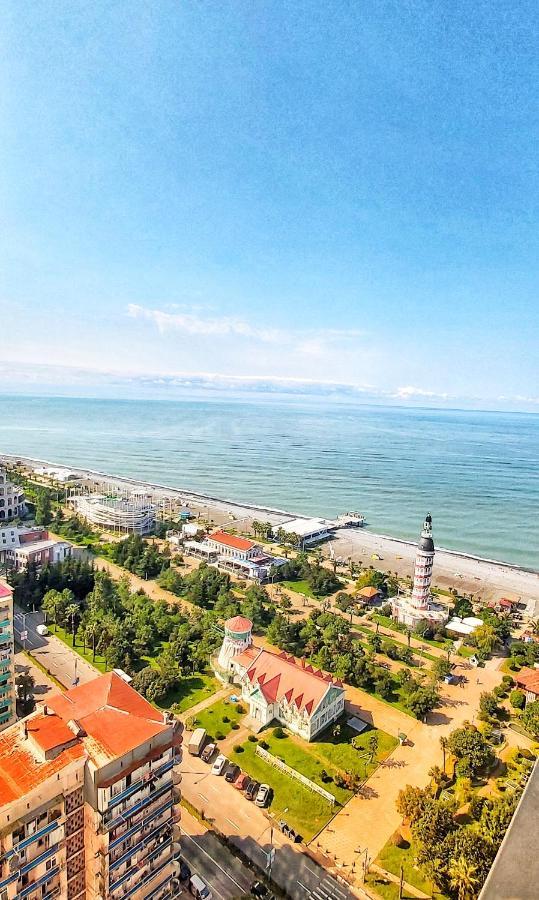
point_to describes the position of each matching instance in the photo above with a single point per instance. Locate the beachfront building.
(127, 515)
(88, 798)
(234, 554)
(308, 531)
(528, 681)
(412, 608)
(7, 671)
(278, 686)
(12, 503)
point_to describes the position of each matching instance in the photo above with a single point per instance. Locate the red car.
(241, 782)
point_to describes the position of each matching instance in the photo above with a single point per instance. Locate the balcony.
(43, 832)
(144, 821)
(138, 807)
(141, 844)
(37, 860)
(30, 888)
(146, 780)
(147, 878)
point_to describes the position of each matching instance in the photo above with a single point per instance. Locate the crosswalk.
(329, 889)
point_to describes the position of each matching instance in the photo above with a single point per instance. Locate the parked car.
(242, 781)
(263, 795)
(219, 765)
(252, 789)
(199, 889)
(232, 773)
(185, 871)
(208, 752)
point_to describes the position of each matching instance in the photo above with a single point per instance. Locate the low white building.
(463, 627)
(309, 531)
(278, 686)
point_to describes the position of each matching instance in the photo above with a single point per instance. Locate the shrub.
(238, 749)
(235, 726)
(264, 745)
(508, 681)
(219, 736)
(279, 732)
(239, 708)
(253, 738)
(517, 699)
(226, 719)
(399, 841)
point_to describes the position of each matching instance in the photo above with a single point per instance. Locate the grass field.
(65, 636)
(303, 809)
(300, 587)
(213, 718)
(392, 858)
(191, 690)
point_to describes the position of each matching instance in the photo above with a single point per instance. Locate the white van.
(42, 630)
(199, 888)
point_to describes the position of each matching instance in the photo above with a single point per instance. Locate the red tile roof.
(49, 731)
(21, 771)
(101, 705)
(230, 540)
(529, 680)
(238, 624)
(282, 676)
(5, 591)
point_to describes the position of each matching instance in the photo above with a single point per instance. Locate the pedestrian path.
(208, 701)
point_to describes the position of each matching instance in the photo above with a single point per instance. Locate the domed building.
(12, 502)
(238, 637)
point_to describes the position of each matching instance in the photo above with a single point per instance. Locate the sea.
(475, 472)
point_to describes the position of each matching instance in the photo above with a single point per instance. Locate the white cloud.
(409, 393)
(311, 342)
(194, 324)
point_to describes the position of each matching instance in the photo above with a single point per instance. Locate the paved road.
(224, 874)
(43, 686)
(254, 832)
(65, 664)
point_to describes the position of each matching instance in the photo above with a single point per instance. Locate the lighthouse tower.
(423, 568)
(238, 636)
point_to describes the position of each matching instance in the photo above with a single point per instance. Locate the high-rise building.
(88, 798)
(12, 502)
(412, 608)
(7, 670)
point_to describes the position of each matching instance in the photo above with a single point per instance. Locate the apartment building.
(88, 798)
(7, 671)
(12, 503)
(22, 547)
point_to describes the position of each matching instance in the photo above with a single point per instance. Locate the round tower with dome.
(238, 636)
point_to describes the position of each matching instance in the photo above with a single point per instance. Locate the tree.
(72, 612)
(43, 514)
(412, 802)
(434, 825)
(517, 699)
(530, 718)
(422, 701)
(373, 745)
(485, 638)
(437, 775)
(25, 685)
(441, 667)
(444, 744)
(488, 706)
(463, 877)
(92, 631)
(467, 743)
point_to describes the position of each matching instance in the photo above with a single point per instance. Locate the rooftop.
(238, 624)
(281, 676)
(303, 527)
(100, 707)
(5, 591)
(231, 540)
(21, 770)
(528, 679)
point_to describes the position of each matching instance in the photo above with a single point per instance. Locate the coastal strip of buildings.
(88, 798)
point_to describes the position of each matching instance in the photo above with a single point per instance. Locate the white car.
(219, 765)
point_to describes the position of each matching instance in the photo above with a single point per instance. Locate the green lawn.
(302, 809)
(466, 652)
(65, 636)
(392, 858)
(212, 718)
(191, 690)
(306, 811)
(300, 587)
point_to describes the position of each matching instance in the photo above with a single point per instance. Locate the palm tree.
(71, 613)
(25, 684)
(444, 744)
(255, 525)
(92, 631)
(463, 877)
(436, 774)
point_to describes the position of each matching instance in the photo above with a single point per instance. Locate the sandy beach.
(484, 578)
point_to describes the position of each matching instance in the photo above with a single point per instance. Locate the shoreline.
(493, 575)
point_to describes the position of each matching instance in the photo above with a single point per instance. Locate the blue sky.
(282, 192)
